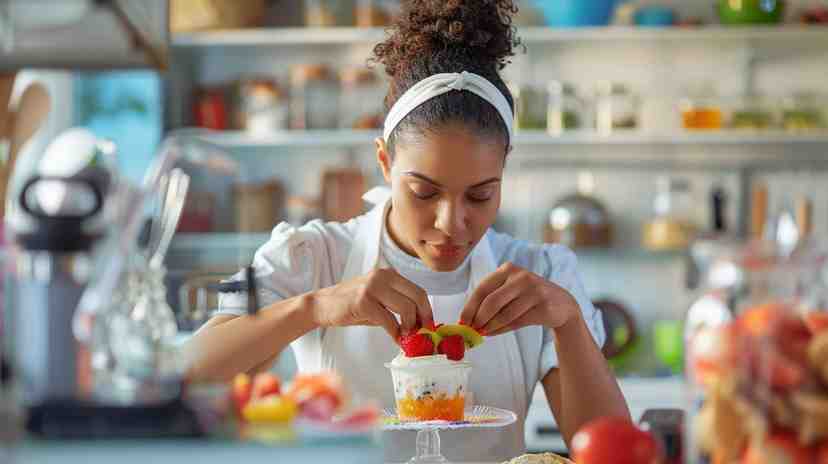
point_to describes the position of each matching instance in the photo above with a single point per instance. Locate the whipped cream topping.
(401, 360)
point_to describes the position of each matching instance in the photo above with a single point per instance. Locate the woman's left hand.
(513, 297)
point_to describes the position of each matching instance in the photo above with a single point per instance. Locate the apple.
(615, 440)
(266, 384)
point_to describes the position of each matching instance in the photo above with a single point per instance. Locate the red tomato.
(616, 440)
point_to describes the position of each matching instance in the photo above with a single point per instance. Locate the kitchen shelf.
(353, 138)
(538, 34)
(247, 241)
(224, 240)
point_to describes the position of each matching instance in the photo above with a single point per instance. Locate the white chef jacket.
(317, 255)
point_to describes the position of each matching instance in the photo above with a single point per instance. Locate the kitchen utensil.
(619, 326)
(579, 220)
(758, 210)
(575, 13)
(52, 272)
(179, 183)
(737, 12)
(22, 123)
(804, 216)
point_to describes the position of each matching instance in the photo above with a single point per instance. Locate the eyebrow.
(437, 184)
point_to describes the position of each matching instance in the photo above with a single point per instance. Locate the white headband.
(439, 84)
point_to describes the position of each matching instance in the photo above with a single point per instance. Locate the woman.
(342, 294)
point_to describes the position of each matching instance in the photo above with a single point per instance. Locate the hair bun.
(463, 34)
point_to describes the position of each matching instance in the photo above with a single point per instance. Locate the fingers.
(510, 313)
(489, 284)
(495, 302)
(396, 302)
(528, 318)
(418, 296)
(380, 316)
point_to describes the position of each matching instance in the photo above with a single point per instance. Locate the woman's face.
(446, 193)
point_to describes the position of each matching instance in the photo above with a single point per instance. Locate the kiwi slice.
(435, 337)
(470, 336)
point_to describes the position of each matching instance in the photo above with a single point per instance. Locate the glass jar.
(376, 13)
(672, 226)
(616, 107)
(329, 13)
(530, 106)
(804, 112)
(754, 112)
(313, 97)
(701, 113)
(757, 359)
(565, 109)
(361, 102)
(210, 108)
(263, 106)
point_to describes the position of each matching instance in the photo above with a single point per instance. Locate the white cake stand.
(428, 432)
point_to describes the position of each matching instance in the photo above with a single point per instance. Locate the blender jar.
(757, 361)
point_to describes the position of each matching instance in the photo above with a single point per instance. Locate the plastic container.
(804, 112)
(754, 112)
(701, 113)
(431, 391)
(757, 359)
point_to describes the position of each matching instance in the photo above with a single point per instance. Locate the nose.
(451, 218)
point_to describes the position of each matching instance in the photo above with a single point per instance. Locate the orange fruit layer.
(432, 408)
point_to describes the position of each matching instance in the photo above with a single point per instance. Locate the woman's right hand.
(373, 299)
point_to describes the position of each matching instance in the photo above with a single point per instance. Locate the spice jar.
(313, 97)
(754, 112)
(263, 106)
(361, 100)
(615, 107)
(579, 220)
(210, 108)
(672, 226)
(565, 109)
(376, 13)
(804, 112)
(701, 113)
(329, 13)
(530, 106)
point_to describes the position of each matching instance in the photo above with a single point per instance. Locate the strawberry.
(454, 347)
(417, 344)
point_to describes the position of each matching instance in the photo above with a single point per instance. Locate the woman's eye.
(480, 196)
(424, 194)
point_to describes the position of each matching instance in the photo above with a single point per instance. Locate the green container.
(736, 12)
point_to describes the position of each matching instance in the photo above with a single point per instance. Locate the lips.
(446, 251)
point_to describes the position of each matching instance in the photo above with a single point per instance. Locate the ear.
(383, 158)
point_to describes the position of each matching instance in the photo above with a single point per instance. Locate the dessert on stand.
(431, 381)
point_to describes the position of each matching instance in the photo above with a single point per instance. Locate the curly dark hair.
(442, 36)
